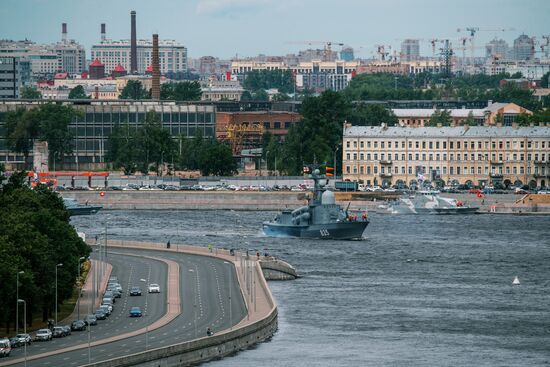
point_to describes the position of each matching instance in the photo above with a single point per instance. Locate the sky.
(241, 28)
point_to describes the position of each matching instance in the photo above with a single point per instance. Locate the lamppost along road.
(57, 266)
(130, 270)
(17, 305)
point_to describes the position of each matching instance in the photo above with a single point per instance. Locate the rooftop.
(445, 132)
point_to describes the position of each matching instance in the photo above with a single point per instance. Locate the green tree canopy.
(442, 117)
(35, 235)
(78, 92)
(30, 93)
(134, 90)
(181, 91)
(282, 80)
(47, 122)
(372, 115)
(216, 159)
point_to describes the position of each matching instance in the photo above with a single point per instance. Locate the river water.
(417, 291)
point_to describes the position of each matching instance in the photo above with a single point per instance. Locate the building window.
(362, 156)
(410, 170)
(368, 170)
(347, 169)
(354, 156)
(362, 144)
(479, 170)
(396, 156)
(376, 144)
(348, 156)
(347, 144)
(382, 144)
(368, 156)
(361, 169)
(375, 169)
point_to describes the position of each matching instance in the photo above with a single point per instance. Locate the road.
(204, 290)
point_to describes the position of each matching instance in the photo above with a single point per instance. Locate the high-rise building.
(410, 50)
(10, 81)
(497, 48)
(347, 54)
(524, 48)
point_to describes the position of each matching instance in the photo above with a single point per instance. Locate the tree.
(78, 93)
(317, 136)
(216, 159)
(281, 97)
(134, 90)
(372, 115)
(30, 93)
(283, 80)
(122, 149)
(523, 119)
(155, 144)
(35, 235)
(181, 91)
(442, 117)
(260, 95)
(470, 121)
(47, 122)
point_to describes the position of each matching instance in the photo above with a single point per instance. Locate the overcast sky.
(225, 28)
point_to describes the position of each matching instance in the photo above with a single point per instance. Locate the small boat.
(516, 281)
(75, 208)
(430, 202)
(322, 218)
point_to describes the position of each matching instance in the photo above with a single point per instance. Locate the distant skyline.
(226, 28)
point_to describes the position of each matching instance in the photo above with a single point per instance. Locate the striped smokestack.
(103, 36)
(155, 93)
(133, 44)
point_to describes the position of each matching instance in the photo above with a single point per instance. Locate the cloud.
(229, 7)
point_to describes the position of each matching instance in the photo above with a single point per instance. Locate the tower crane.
(474, 30)
(327, 49)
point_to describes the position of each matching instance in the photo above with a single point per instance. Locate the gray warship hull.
(336, 231)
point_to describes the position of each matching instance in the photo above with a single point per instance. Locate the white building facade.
(172, 55)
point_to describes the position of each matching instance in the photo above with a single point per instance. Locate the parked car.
(5, 347)
(135, 291)
(114, 285)
(135, 312)
(78, 325)
(109, 294)
(15, 342)
(43, 335)
(58, 332)
(109, 307)
(106, 309)
(24, 338)
(116, 292)
(108, 301)
(100, 314)
(67, 329)
(90, 320)
(154, 288)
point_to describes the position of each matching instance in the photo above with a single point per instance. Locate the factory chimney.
(103, 37)
(64, 32)
(133, 44)
(155, 93)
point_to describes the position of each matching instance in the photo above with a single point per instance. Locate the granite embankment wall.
(278, 200)
(162, 200)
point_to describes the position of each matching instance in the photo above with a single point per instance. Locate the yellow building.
(477, 155)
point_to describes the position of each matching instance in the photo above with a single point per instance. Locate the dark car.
(135, 312)
(135, 291)
(105, 309)
(15, 342)
(78, 325)
(67, 329)
(90, 320)
(100, 315)
(58, 332)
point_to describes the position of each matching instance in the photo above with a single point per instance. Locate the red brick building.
(244, 129)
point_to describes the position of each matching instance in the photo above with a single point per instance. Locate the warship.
(75, 208)
(322, 218)
(429, 202)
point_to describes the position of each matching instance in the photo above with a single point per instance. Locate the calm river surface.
(418, 291)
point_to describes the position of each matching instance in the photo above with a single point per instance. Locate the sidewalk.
(87, 291)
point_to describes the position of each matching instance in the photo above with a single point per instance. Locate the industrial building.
(475, 155)
(94, 125)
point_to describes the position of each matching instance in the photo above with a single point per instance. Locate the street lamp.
(57, 266)
(79, 288)
(17, 308)
(230, 304)
(24, 323)
(145, 313)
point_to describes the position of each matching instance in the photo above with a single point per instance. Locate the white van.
(5, 347)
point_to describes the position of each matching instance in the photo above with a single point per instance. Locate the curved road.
(205, 287)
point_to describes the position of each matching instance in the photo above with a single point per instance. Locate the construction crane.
(474, 30)
(327, 47)
(244, 136)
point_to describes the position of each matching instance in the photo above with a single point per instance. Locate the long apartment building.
(477, 155)
(172, 55)
(91, 129)
(317, 75)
